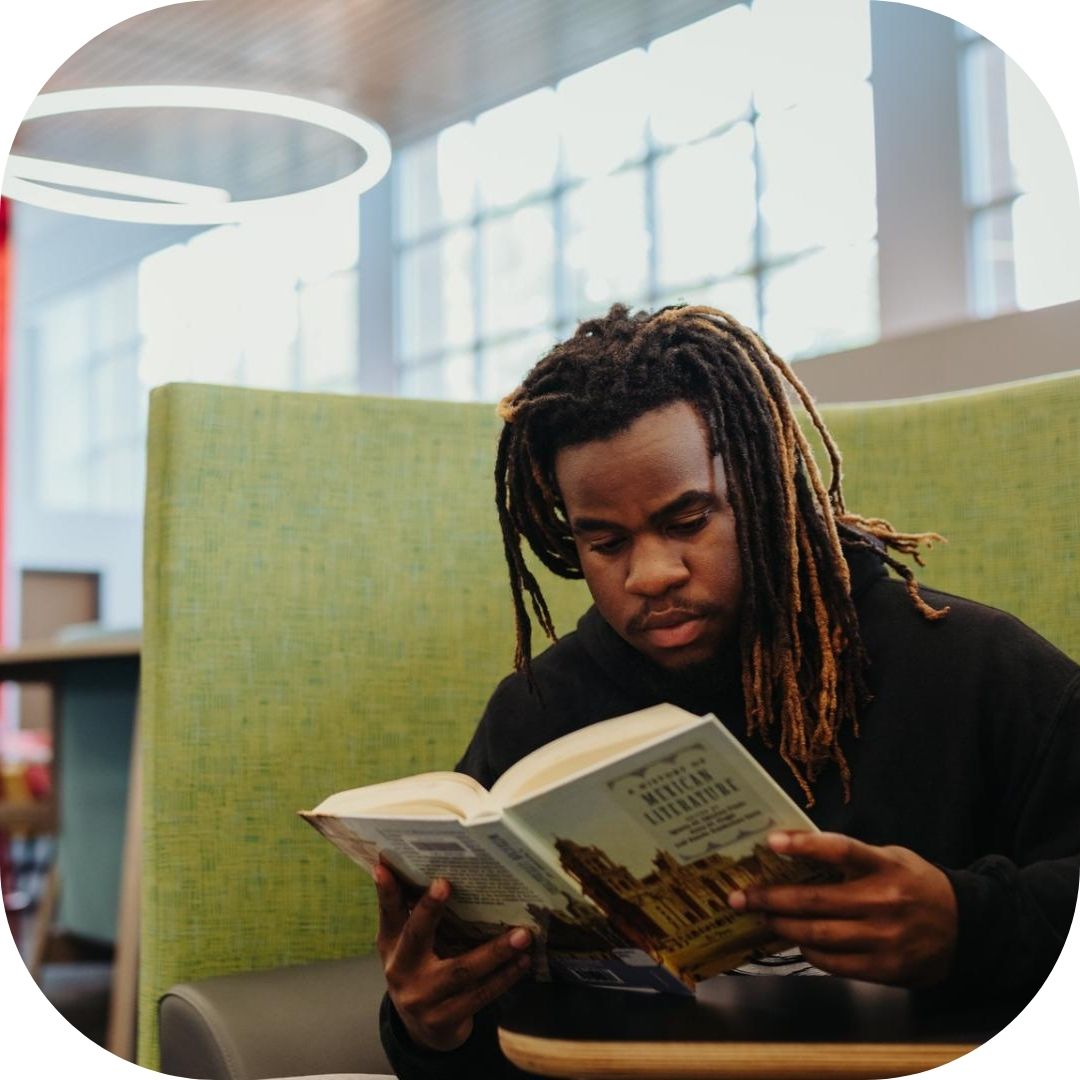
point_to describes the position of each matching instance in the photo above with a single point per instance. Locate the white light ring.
(154, 189)
(363, 132)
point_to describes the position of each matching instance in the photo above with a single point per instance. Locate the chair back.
(326, 606)
(995, 471)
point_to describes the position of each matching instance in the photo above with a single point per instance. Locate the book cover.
(657, 839)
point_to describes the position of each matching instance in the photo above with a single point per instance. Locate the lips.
(672, 629)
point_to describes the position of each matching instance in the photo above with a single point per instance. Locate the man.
(935, 741)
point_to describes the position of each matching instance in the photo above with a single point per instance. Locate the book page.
(658, 838)
(418, 849)
(559, 760)
(428, 794)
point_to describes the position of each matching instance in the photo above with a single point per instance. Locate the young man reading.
(935, 741)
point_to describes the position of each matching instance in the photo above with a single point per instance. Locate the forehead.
(663, 453)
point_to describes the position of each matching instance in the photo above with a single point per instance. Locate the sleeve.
(1014, 914)
(479, 1056)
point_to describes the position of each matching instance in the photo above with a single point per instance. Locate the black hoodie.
(968, 754)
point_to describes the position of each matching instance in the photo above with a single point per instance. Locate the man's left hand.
(892, 919)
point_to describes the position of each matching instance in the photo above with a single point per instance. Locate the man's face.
(656, 535)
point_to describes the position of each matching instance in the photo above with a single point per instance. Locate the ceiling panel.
(414, 66)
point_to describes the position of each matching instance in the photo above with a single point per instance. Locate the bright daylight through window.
(656, 176)
(1019, 187)
(267, 306)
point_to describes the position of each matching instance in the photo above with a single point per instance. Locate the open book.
(617, 845)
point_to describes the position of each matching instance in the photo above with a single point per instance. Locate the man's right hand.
(435, 998)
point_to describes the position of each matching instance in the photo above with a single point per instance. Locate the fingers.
(493, 985)
(417, 937)
(838, 850)
(830, 935)
(472, 968)
(846, 900)
(892, 920)
(873, 966)
(436, 1000)
(393, 912)
(845, 965)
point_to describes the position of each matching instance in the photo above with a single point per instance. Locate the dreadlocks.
(802, 659)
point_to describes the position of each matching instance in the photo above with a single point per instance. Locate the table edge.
(724, 1060)
(31, 654)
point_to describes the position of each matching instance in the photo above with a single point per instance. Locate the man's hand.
(891, 920)
(435, 998)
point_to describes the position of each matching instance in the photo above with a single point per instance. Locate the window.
(267, 306)
(655, 177)
(1019, 187)
(271, 306)
(90, 422)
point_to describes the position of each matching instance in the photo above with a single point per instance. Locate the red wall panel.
(5, 307)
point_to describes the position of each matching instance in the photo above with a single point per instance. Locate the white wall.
(968, 354)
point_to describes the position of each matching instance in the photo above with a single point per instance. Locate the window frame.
(564, 319)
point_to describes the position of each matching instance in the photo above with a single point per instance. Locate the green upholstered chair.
(997, 472)
(326, 606)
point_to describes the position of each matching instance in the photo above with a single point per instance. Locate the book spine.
(536, 853)
(516, 848)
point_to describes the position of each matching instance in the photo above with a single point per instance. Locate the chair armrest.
(313, 1018)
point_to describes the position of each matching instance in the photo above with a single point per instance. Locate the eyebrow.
(685, 501)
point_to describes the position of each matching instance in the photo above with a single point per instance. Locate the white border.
(35, 39)
(38, 37)
(83, 176)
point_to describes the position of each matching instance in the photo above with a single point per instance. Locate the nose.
(655, 568)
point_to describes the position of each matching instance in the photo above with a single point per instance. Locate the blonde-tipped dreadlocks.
(802, 658)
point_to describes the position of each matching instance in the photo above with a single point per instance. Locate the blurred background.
(837, 174)
(878, 190)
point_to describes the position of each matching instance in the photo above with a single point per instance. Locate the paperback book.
(616, 845)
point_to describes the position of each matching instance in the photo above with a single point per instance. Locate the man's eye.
(689, 526)
(607, 547)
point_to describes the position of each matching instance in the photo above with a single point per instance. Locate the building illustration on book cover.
(678, 913)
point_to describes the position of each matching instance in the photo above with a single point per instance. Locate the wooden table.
(771, 1028)
(57, 663)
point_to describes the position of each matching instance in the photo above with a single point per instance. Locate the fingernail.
(520, 939)
(779, 841)
(737, 900)
(440, 889)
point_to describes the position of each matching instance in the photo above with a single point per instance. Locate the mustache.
(685, 609)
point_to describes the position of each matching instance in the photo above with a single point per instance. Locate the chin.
(688, 662)
(701, 657)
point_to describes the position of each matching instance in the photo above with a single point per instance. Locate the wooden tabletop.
(40, 660)
(793, 1028)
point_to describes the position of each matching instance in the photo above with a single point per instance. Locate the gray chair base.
(311, 1019)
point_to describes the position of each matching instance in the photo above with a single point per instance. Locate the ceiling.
(414, 66)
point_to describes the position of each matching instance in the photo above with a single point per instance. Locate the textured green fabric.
(326, 606)
(995, 471)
